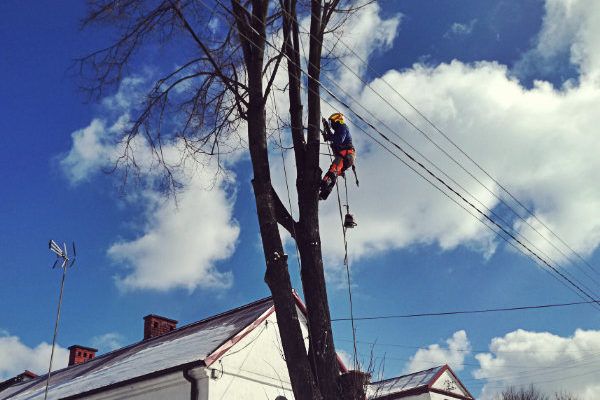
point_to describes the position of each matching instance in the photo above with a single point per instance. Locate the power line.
(561, 378)
(459, 350)
(364, 62)
(482, 221)
(572, 278)
(498, 217)
(460, 312)
(530, 369)
(541, 371)
(487, 217)
(577, 288)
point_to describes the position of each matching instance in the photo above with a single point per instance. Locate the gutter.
(182, 367)
(193, 383)
(194, 375)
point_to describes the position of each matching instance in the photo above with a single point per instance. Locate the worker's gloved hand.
(327, 136)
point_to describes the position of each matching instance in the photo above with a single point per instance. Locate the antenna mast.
(65, 262)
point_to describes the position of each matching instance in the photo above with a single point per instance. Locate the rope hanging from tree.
(346, 262)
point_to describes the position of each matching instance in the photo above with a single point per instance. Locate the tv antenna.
(65, 261)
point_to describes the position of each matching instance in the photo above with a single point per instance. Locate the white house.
(439, 383)
(233, 355)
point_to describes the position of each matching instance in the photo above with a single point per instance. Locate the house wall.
(171, 386)
(448, 383)
(422, 396)
(437, 396)
(254, 368)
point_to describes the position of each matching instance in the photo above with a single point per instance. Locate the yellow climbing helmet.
(337, 117)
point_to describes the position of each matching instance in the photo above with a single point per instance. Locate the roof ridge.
(222, 314)
(405, 375)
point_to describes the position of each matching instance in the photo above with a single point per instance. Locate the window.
(155, 324)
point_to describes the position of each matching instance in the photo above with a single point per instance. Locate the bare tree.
(529, 393)
(532, 393)
(221, 84)
(565, 396)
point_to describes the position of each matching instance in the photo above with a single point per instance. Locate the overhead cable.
(422, 115)
(462, 312)
(430, 139)
(578, 289)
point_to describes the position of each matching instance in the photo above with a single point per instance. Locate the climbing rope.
(346, 262)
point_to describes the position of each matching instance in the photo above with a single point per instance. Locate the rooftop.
(404, 383)
(198, 343)
(440, 379)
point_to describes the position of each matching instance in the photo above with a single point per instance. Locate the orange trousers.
(343, 160)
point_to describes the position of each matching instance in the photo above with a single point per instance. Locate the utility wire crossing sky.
(492, 104)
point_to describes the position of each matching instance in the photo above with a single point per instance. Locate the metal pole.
(62, 285)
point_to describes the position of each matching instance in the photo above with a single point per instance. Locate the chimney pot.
(155, 325)
(79, 354)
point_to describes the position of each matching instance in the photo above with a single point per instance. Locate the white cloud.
(182, 239)
(569, 29)
(370, 34)
(182, 242)
(552, 363)
(130, 93)
(458, 347)
(108, 341)
(16, 357)
(93, 148)
(460, 29)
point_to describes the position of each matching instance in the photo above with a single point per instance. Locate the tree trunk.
(323, 382)
(322, 352)
(277, 275)
(322, 349)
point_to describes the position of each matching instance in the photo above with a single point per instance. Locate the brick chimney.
(22, 377)
(80, 354)
(27, 375)
(155, 325)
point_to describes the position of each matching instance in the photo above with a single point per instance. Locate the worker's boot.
(327, 185)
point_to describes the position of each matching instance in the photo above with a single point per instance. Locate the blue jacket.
(341, 138)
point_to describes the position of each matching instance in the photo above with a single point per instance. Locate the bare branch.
(270, 83)
(283, 216)
(208, 54)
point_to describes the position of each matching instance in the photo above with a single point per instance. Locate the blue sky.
(516, 88)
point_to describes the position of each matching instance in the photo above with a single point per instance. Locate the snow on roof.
(189, 344)
(403, 383)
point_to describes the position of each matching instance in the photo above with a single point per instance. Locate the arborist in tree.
(343, 151)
